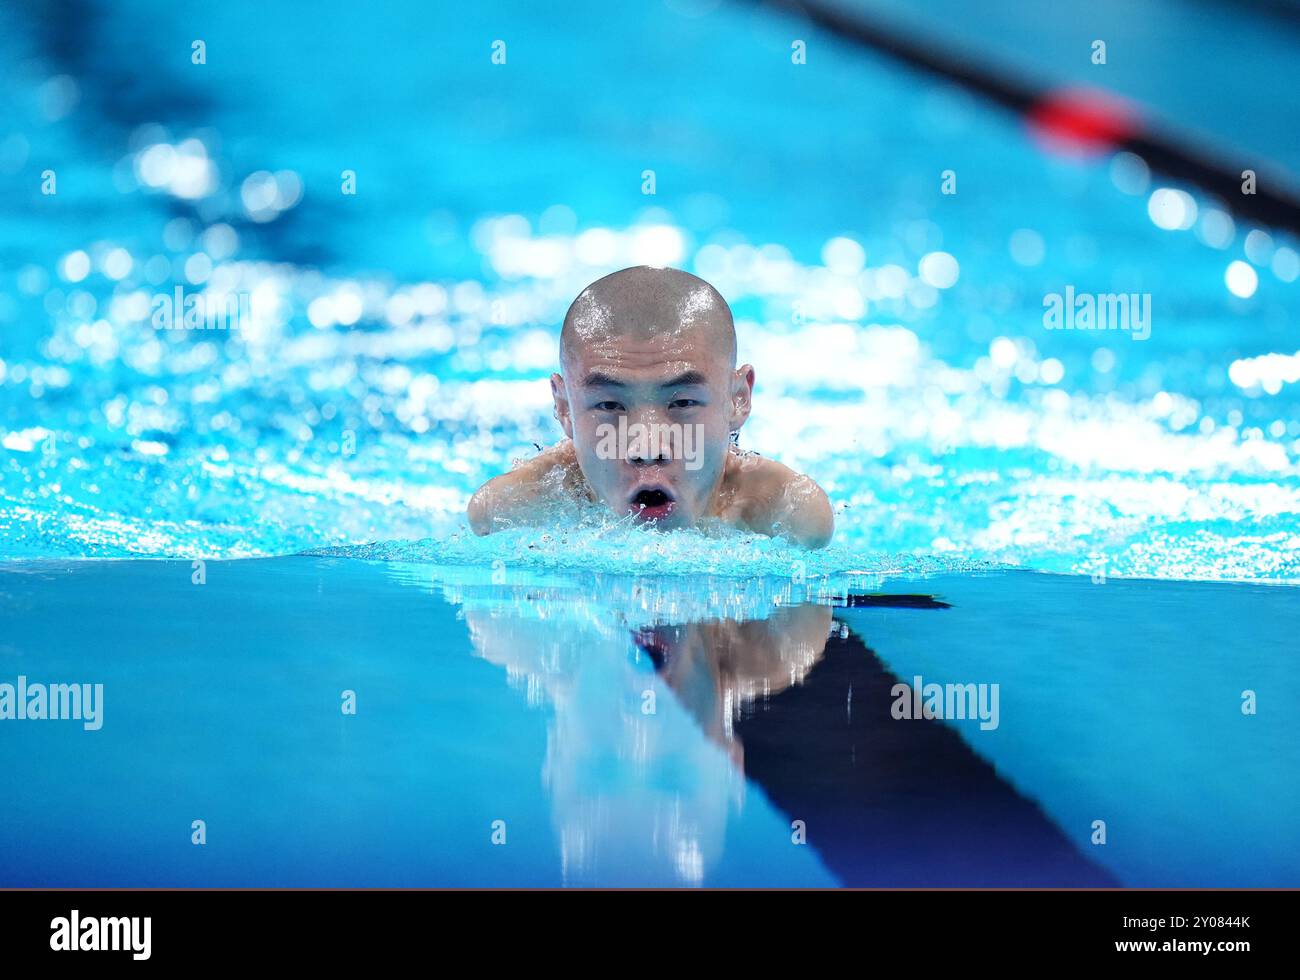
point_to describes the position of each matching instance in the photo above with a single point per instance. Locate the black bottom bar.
(335, 928)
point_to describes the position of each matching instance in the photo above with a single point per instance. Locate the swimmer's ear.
(561, 399)
(742, 393)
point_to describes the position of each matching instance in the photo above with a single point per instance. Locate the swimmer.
(650, 401)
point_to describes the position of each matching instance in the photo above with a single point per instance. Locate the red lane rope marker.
(1085, 122)
(1078, 120)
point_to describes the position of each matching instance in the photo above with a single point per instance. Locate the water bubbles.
(1286, 264)
(117, 264)
(1130, 173)
(921, 295)
(288, 189)
(74, 266)
(455, 387)
(891, 281)
(1216, 228)
(132, 307)
(400, 309)
(220, 241)
(657, 245)
(1051, 371)
(468, 296)
(596, 247)
(844, 256)
(265, 195)
(1241, 279)
(1259, 246)
(429, 298)
(320, 312)
(258, 193)
(939, 269)
(1027, 247)
(198, 267)
(347, 304)
(847, 302)
(1171, 209)
(184, 170)
(1269, 371)
(194, 175)
(558, 219)
(81, 305)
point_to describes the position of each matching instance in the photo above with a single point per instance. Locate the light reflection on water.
(674, 707)
(795, 686)
(501, 694)
(899, 347)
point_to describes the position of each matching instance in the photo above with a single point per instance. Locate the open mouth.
(652, 503)
(654, 643)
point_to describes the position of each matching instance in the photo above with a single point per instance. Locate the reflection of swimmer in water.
(649, 401)
(636, 795)
(886, 802)
(639, 797)
(716, 668)
(636, 798)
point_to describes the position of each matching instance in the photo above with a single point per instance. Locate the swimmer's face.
(650, 406)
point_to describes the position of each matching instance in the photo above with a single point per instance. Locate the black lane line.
(889, 803)
(889, 601)
(1272, 204)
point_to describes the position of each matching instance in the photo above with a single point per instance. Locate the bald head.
(644, 305)
(652, 351)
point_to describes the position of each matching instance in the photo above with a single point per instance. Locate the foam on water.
(267, 442)
(903, 363)
(616, 547)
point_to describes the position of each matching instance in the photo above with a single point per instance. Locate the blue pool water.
(400, 338)
(1113, 525)
(521, 698)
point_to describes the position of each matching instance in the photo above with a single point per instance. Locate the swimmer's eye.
(684, 403)
(607, 407)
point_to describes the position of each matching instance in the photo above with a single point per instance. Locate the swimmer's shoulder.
(510, 497)
(780, 500)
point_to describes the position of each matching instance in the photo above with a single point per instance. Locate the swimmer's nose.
(649, 459)
(654, 451)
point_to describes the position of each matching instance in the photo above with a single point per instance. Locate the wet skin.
(655, 348)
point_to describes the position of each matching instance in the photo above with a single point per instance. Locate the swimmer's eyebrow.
(685, 380)
(597, 380)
